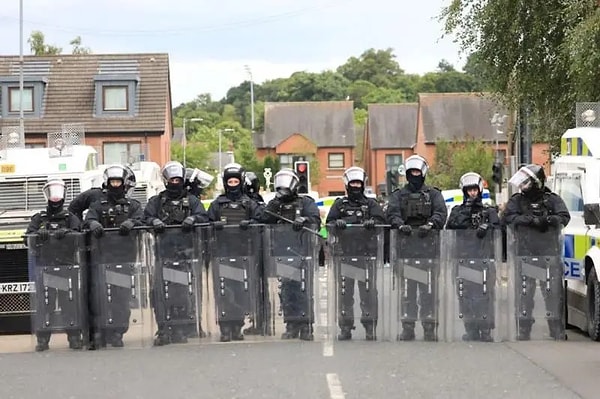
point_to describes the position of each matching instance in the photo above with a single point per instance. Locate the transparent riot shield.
(176, 282)
(417, 267)
(58, 268)
(469, 274)
(536, 284)
(357, 256)
(232, 301)
(119, 290)
(291, 282)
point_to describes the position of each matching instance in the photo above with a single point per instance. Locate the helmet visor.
(54, 191)
(524, 179)
(354, 175)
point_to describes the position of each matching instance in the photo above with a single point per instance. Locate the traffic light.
(497, 173)
(302, 169)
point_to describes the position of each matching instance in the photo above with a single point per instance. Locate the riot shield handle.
(291, 221)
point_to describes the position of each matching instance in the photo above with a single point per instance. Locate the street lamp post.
(220, 147)
(497, 122)
(251, 96)
(185, 120)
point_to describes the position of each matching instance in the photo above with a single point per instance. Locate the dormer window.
(115, 98)
(14, 99)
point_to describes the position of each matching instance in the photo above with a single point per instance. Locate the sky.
(210, 42)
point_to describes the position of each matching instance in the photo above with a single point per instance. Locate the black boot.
(345, 333)
(408, 332)
(471, 332)
(370, 331)
(556, 329)
(225, 332)
(306, 333)
(429, 331)
(75, 341)
(236, 332)
(292, 330)
(486, 335)
(42, 344)
(162, 337)
(525, 329)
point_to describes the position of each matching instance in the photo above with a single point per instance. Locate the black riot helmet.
(130, 181)
(355, 174)
(233, 170)
(530, 179)
(115, 177)
(251, 183)
(54, 191)
(173, 174)
(286, 183)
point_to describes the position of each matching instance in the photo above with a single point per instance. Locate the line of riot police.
(244, 263)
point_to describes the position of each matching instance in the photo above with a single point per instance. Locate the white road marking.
(327, 349)
(335, 386)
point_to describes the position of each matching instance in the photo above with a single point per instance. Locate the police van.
(576, 179)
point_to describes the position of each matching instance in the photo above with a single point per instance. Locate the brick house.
(318, 131)
(390, 137)
(123, 101)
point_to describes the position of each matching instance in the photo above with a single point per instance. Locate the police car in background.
(576, 178)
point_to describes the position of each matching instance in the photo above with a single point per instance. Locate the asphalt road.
(355, 369)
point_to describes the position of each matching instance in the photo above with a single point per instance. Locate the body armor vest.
(174, 211)
(479, 216)
(354, 213)
(540, 208)
(416, 208)
(290, 210)
(234, 212)
(54, 222)
(114, 214)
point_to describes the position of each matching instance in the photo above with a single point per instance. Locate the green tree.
(376, 66)
(78, 48)
(453, 159)
(37, 43)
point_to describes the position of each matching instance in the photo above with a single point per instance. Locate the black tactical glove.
(126, 227)
(523, 220)
(158, 225)
(482, 230)
(554, 220)
(244, 224)
(405, 229)
(425, 229)
(60, 233)
(540, 223)
(298, 223)
(219, 225)
(369, 224)
(96, 229)
(43, 235)
(274, 205)
(395, 223)
(188, 223)
(340, 224)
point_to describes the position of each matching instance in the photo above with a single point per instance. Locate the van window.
(568, 187)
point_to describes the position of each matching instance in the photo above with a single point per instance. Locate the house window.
(114, 98)
(121, 153)
(392, 161)
(35, 145)
(14, 99)
(335, 160)
(286, 161)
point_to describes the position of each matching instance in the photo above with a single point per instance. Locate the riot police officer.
(356, 208)
(252, 187)
(82, 202)
(196, 181)
(60, 222)
(173, 206)
(539, 208)
(473, 214)
(303, 211)
(114, 209)
(233, 208)
(419, 207)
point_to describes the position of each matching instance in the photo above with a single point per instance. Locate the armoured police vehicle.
(576, 178)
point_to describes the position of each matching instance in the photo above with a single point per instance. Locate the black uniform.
(186, 210)
(542, 210)
(123, 213)
(292, 298)
(234, 209)
(59, 222)
(421, 209)
(357, 212)
(84, 200)
(473, 214)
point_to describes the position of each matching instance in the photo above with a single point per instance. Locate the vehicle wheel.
(593, 308)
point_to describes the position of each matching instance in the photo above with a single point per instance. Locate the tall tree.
(78, 48)
(376, 66)
(37, 43)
